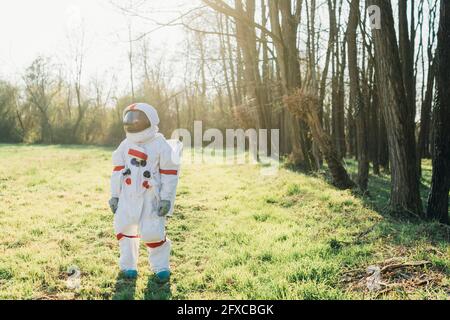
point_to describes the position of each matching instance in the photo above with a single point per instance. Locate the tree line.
(355, 95)
(335, 85)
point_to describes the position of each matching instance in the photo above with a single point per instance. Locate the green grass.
(236, 234)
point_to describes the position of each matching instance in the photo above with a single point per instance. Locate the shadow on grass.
(156, 290)
(403, 229)
(125, 288)
(379, 193)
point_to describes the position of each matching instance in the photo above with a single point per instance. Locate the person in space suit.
(143, 189)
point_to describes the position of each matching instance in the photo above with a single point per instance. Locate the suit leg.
(159, 255)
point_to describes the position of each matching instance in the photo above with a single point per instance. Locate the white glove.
(114, 204)
(164, 208)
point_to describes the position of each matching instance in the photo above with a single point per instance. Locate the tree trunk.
(237, 97)
(340, 117)
(425, 116)
(339, 175)
(304, 105)
(406, 58)
(285, 43)
(405, 196)
(374, 131)
(438, 199)
(246, 37)
(356, 99)
(337, 100)
(383, 145)
(224, 61)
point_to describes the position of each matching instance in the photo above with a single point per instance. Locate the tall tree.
(406, 50)
(356, 99)
(41, 86)
(285, 20)
(423, 146)
(285, 42)
(438, 199)
(77, 38)
(405, 195)
(338, 89)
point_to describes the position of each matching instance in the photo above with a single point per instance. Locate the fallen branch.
(395, 266)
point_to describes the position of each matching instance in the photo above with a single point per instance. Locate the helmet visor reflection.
(135, 121)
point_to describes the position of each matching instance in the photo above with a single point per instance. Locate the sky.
(29, 28)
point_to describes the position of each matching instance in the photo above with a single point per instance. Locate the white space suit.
(146, 171)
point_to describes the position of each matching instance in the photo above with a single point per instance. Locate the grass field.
(236, 234)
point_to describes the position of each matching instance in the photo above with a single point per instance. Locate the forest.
(341, 79)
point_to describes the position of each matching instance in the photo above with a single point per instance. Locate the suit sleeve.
(169, 171)
(118, 162)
